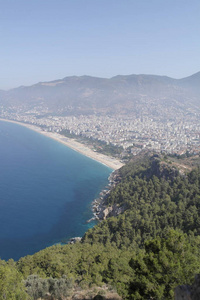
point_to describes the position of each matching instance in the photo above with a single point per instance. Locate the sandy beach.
(73, 144)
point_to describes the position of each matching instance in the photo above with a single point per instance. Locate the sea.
(46, 191)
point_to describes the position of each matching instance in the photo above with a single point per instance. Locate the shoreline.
(99, 207)
(73, 144)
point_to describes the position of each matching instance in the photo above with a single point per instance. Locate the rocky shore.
(74, 240)
(100, 210)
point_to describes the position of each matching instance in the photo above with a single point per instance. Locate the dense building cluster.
(172, 134)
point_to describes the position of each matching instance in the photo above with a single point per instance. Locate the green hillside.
(143, 253)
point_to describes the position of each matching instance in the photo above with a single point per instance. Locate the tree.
(165, 264)
(11, 285)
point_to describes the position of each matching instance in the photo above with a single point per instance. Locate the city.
(170, 132)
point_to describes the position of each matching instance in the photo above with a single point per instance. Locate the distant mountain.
(86, 94)
(192, 82)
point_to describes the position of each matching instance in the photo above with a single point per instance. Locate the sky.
(44, 40)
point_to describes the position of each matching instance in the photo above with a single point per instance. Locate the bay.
(46, 190)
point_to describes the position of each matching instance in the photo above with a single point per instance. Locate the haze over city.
(48, 40)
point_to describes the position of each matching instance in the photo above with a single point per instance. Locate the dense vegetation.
(156, 198)
(144, 252)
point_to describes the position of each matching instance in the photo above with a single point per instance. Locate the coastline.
(99, 207)
(73, 144)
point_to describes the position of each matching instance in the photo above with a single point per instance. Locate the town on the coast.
(173, 133)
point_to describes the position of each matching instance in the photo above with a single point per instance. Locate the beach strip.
(110, 162)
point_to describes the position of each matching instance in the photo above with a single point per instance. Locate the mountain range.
(119, 94)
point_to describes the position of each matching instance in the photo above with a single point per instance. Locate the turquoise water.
(46, 190)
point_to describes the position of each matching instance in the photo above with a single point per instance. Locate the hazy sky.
(42, 40)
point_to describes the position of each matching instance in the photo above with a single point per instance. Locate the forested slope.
(143, 253)
(156, 197)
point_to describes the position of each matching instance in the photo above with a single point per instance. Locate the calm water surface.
(46, 190)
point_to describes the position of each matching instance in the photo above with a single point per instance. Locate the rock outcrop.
(75, 240)
(183, 292)
(112, 211)
(188, 292)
